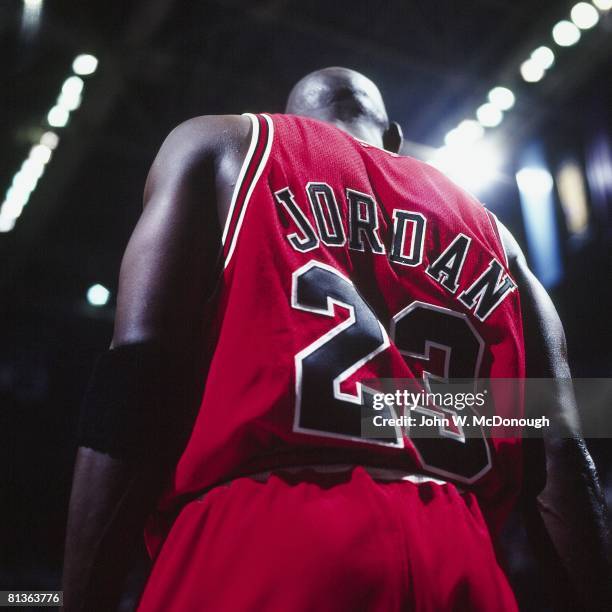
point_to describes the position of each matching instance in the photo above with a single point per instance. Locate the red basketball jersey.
(344, 262)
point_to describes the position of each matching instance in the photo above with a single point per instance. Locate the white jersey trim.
(243, 169)
(245, 165)
(499, 235)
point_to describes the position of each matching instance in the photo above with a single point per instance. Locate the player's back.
(342, 263)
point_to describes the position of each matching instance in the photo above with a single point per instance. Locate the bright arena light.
(69, 101)
(18, 195)
(32, 168)
(70, 97)
(502, 98)
(98, 295)
(40, 153)
(32, 11)
(49, 139)
(73, 86)
(489, 115)
(531, 71)
(603, 5)
(565, 34)
(6, 224)
(25, 180)
(544, 57)
(84, 64)
(473, 167)
(467, 132)
(534, 181)
(584, 15)
(12, 208)
(58, 117)
(16, 198)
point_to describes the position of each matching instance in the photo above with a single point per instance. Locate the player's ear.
(393, 137)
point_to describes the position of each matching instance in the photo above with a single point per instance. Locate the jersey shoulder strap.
(262, 134)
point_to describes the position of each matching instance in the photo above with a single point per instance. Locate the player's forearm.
(107, 509)
(130, 433)
(572, 508)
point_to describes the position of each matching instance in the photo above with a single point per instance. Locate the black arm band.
(121, 413)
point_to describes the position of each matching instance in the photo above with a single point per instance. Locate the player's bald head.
(350, 101)
(338, 94)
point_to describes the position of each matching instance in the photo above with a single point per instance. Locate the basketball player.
(283, 260)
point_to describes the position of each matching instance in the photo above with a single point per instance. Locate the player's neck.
(361, 131)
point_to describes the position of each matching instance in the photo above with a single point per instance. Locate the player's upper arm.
(564, 508)
(546, 358)
(545, 344)
(171, 255)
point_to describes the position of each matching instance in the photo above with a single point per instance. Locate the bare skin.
(166, 275)
(566, 519)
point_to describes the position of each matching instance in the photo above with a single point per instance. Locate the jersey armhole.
(262, 133)
(494, 222)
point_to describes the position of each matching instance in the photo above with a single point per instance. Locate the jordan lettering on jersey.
(481, 295)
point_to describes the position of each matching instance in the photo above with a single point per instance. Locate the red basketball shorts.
(338, 542)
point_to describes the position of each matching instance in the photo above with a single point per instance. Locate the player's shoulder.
(199, 142)
(208, 134)
(514, 253)
(196, 146)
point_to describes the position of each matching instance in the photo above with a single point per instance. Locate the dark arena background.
(511, 98)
